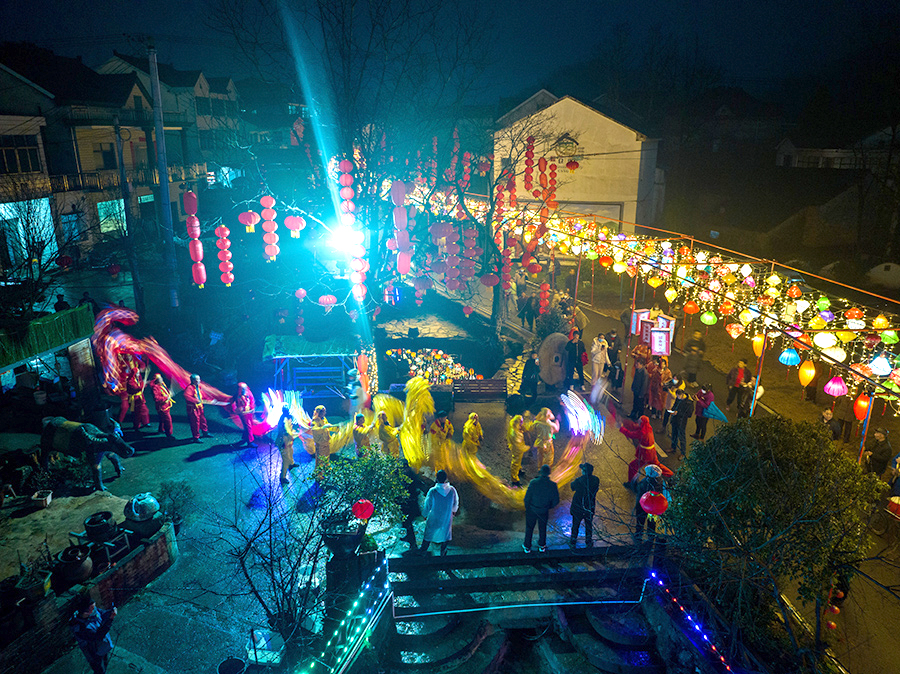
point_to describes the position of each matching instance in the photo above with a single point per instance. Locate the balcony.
(98, 181)
(83, 115)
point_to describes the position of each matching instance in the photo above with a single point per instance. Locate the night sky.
(753, 43)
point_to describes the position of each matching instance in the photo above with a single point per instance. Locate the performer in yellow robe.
(362, 433)
(284, 438)
(388, 435)
(472, 435)
(441, 431)
(543, 427)
(515, 438)
(321, 433)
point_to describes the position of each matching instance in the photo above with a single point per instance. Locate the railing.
(97, 181)
(127, 116)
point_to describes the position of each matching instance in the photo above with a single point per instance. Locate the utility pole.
(129, 223)
(162, 168)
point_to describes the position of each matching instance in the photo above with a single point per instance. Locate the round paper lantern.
(300, 293)
(249, 219)
(363, 509)
(190, 202)
(654, 503)
(534, 268)
(789, 357)
(65, 261)
(227, 278)
(490, 280)
(836, 387)
(836, 353)
(467, 310)
(861, 406)
(606, 261)
(296, 224)
(198, 271)
(759, 339)
(195, 248)
(345, 166)
(267, 201)
(269, 214)
(192, 224)
(272, 251)
(114, 269)
(807, 373)
(735, 330)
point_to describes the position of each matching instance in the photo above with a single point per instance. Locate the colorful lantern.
(825, 340)
(861, 406)
(794, 292)
(671, 294)
(836, 353)
(880, 365)
(708, 318)
(836, 387)
(735, 330)
(759, 340)
(855, 313)
(880, 322)
(789, 357)
(807, 373)
(890, 337)
(690, 307)
(823, 303)
(363, 509)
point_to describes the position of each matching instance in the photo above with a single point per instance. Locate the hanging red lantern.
(198, 272)
(65, 261)
(300, 293)
(861, 406)
(225, 265)
(195, 249)
(272, 252)
(490, 280)
(227, 278)
(691, 307)
(363, 509)
(267, 201)
(296, 224)
(249, 219)
(189, 199)
(467, 310)
(114, 269)
(654, 503)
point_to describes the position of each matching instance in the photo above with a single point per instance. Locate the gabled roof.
(27, 81)
(218, 85)
(168, 74)
(67, 79)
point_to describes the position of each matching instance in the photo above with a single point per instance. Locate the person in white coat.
(599, 358)
(441, 504)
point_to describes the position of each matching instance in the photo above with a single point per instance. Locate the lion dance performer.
(645, 453)
(244, 405)
(472, 435)
(544, 427)
(134, 387)
(163, 399)
(515, 438)
(284, 438)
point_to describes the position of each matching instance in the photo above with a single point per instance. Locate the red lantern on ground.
(363, 509)
(654, 503)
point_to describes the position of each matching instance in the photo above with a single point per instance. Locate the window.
(203, 106)
(104, 156)
(19, 154)
(70, 223)
(218, 107)
(112, 216)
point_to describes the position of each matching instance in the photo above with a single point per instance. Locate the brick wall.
(48, 636)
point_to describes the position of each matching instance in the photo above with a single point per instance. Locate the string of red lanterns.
(195, 246)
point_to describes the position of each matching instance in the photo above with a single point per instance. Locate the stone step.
(444, 652)
(559, 657)
(605, 656)
(626, 628)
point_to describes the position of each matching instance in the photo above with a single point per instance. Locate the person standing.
(843, 412)
(599, 359)
(527, 310)
(321, 432)
(570, 283)
(162, 398)
(284, 438)
(410, 505)
(543, 428)
(541, 497)
(134, 386)
(735, 381)
(362, 433)
(879, 452)
(682, 410)
(61, 304)
(649, 479)
(615, 345)
(472, 435)
(704, 399)
(91, 626)
(584, 495)
(655, 394)
(521, 281)
(515, 437)
(90, 301)
(576, 358)
(531, 373)
(441, 504)
(553, 268)
(639, 386)
(193, 398)
(753, 392)
(832, 424)
(671, 388)
(244, 404)
(441, 431)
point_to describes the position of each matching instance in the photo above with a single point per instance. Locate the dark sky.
(749, 40)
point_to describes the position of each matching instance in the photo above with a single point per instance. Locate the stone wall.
(47, 635)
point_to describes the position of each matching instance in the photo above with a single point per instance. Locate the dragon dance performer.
(440, 431)
(544, 427)
(163, 399)
(645, 453)
(134, 387)
(284, 438)
(515, 438)
(244, 404)
(126, 365)
(362, 433)
(388, 435)
(472, 435)
(321, 432)
(193, 397)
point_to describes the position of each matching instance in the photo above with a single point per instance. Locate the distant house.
(885, 275)
(616, 175)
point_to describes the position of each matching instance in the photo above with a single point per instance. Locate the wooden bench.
(479, 389)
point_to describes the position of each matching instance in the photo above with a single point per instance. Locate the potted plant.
(34, 574)
(176, 499)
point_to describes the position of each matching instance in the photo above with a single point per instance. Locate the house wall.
(617, 165)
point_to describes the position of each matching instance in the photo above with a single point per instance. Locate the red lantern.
(249, 219)
(654, 503)
(64, 261)
(861, 406)
(267, 201)
(272, 251)
(114, 269)
(198, 271)
(195, 248)
(189, 199)
(227, 278)
(467, 310)
(296, 224)
(534, 268)
(690, 307)
(300, 293)
(192, 224)
(490, 280)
